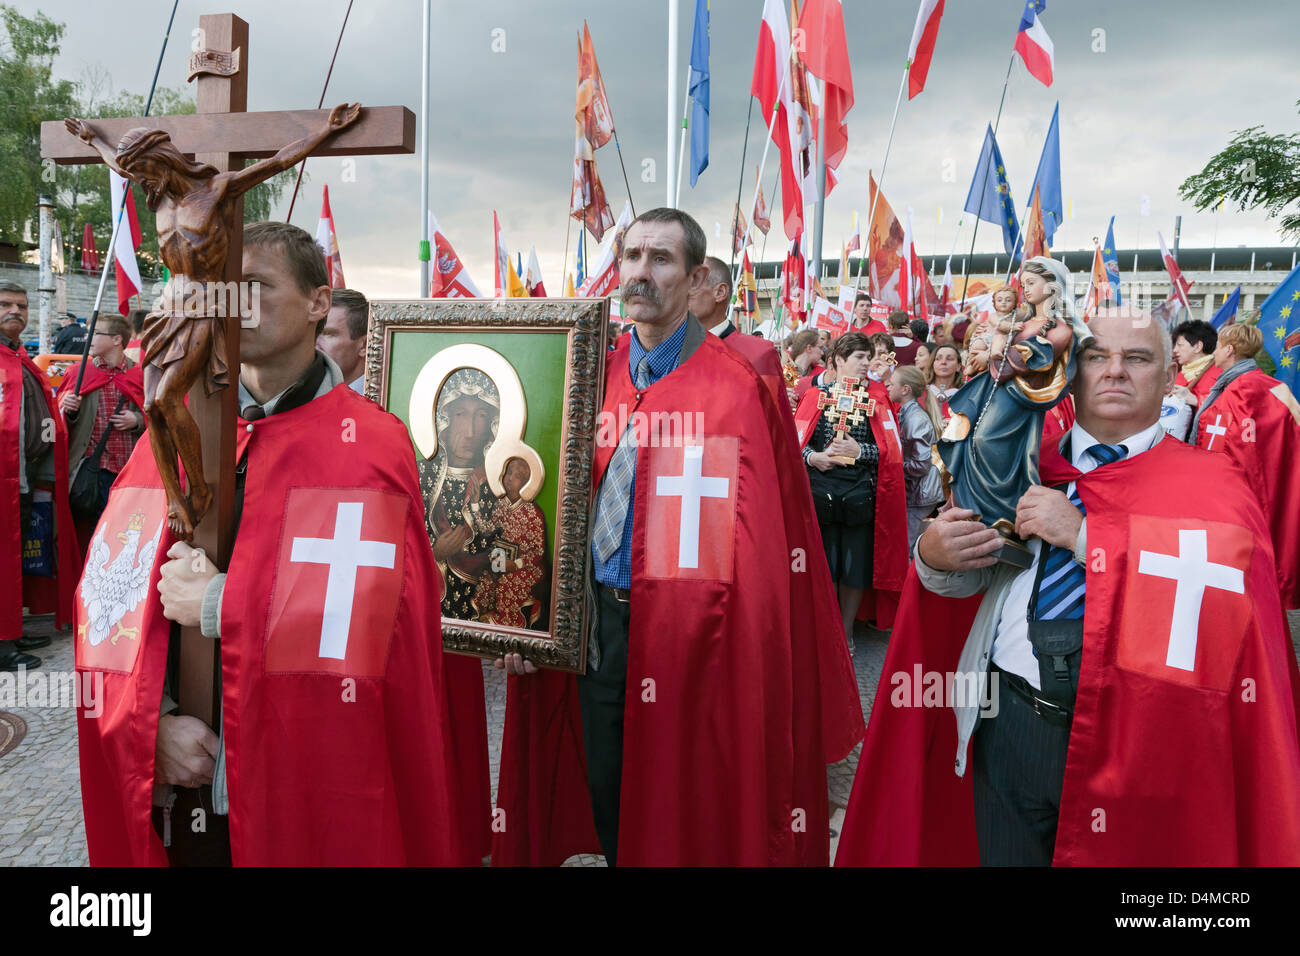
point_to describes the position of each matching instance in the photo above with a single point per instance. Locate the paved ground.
(40, 801)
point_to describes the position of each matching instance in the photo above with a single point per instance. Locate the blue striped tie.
(615, 490)
(1061, 591)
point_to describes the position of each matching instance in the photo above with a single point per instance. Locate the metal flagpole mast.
(819, 216)
(880, 184)
(424, 158)
(965, 266)
(320, 103)
(681, 143)
(117, 220)
(767, 145)
(672, 95)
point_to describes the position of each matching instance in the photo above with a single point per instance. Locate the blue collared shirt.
(617, 573)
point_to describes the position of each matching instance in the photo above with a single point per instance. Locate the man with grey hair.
(34, 476)
(1113, 729)
(715, 690)
(709, 306)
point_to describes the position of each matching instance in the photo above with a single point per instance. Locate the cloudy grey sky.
(1176, 77)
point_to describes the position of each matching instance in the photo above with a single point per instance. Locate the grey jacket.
(924, 486)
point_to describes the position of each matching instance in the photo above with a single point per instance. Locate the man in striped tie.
(715, 693)
(1125, 646)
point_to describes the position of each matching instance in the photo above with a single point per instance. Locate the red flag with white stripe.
(826, 54)
(1176, 280)
(449, 280)
(328, 241)
(921, 49)
(124, 247)
(771, 84)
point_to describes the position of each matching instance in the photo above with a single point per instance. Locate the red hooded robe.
(40, 595)
(739, 690)
(1255, 421)
(336, 724)
(889, 563)
(1190, 767)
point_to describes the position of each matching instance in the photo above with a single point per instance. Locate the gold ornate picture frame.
(501, 399)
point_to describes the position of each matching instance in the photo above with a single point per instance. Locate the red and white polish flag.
(328, 241)
(124, 247)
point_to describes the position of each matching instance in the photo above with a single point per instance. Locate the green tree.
(1255, 170)
(28, 94)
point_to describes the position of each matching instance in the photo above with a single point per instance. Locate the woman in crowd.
(842, 475)
(945, 377)
(918, 424)
(1194, 345)
(923, 356)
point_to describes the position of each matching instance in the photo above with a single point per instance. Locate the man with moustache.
(701, 618)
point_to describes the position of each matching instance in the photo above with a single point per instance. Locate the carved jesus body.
(195, 208)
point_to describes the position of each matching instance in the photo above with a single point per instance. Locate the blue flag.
(1048, 178)
(1279, 320)
(990, 194)
(1110, 259)
(699, 87)
(1228, 310)
(582, 237)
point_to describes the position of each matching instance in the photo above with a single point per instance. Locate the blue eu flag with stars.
(1279, 320)
(990, 193)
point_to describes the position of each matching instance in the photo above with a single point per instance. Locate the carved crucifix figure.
(195, 205)
(202, 239)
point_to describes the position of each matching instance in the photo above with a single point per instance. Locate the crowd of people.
(719, 682)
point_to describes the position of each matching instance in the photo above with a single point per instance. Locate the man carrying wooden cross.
(333, 689)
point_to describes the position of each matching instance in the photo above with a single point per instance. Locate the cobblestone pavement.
(40, 799)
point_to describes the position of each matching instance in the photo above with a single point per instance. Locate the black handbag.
(860, 503)
(83, 496)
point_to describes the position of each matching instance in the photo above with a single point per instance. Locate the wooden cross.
(223, 135)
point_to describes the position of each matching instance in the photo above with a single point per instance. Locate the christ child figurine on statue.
(980, 340)
(990, 446)
(195, 207)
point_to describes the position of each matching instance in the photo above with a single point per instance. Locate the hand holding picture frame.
(501, 398)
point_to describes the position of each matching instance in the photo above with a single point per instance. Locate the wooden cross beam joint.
(381, 131)
(201, 237)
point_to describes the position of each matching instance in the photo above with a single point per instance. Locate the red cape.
(330, 759)
(131, 382)
(761, 355)
(40, 595)
(1204, 383)
(1198, 767)
(889, 563)
(742, 645)
(1261, 423)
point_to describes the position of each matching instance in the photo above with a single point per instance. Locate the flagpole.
(740, 186)
(328, 73)
(819, 216)
(424, 157)
(564, 269)
(117, 220)
(672, 95)
(681, 143)
(965, 266)
(880, 183)
(767, 145)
